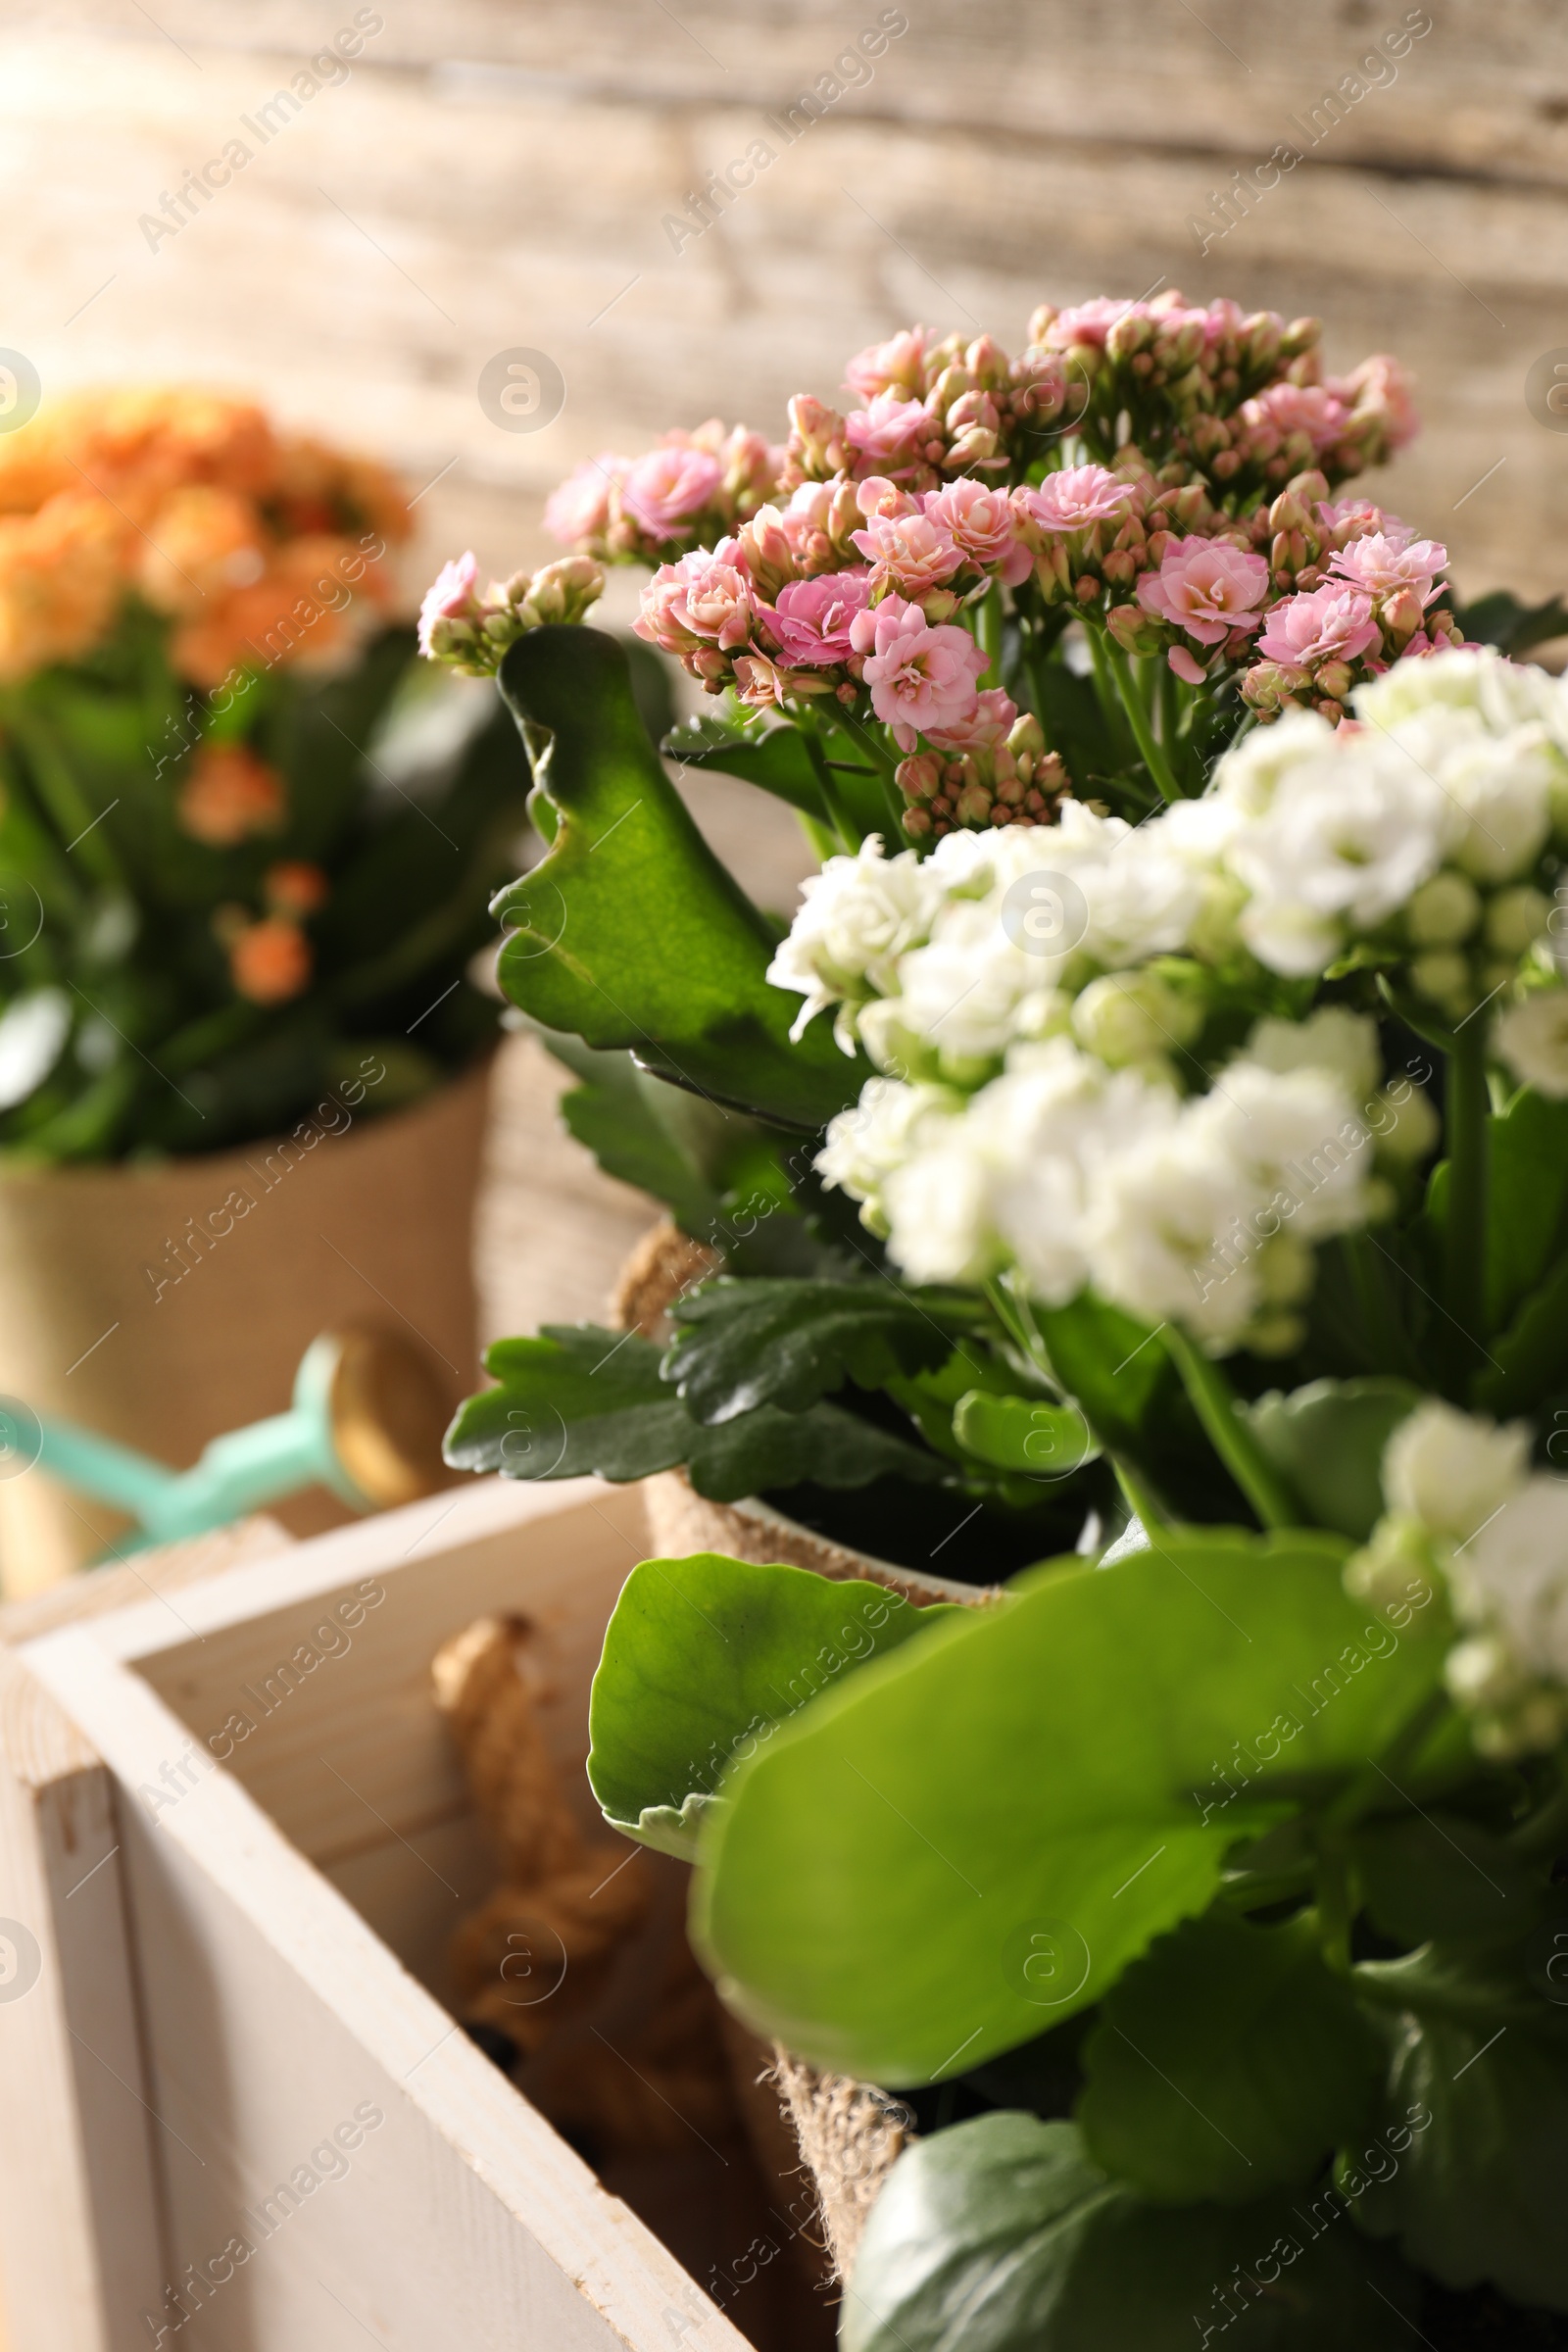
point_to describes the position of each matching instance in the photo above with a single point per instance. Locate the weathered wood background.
(495, 174)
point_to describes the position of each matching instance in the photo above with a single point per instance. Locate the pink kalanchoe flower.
(1331, 623)
(1383, 565)
(579, 509)
(987, 725)
(812, 620)
(920, 677)
(908, 551)
(896, 365)
(890, 435)
(1207, 587)
(453, 595)
(1092, 321)
(703, 599)
(979, 520)
(663, 490)
(1367, 516)
(1381, 387)
(1309, 408)
(1075, 498)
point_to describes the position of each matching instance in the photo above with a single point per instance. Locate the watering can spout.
(365, 1420)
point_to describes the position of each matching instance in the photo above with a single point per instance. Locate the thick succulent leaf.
(976, 1837)
(703, 1659)
(740, 1344)
(1328, 1439)
(1526, 1362)
(1474, 2113)
(1500, 619)
(630, 932)
(578, 1399)
(1023, 1432)
(1121, 1372)
(999, 2236)
(613, 1112)
(1435, 1877)
(775, 758)
(1228, 2061)
(1528, 1201)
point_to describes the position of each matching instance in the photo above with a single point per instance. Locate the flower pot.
(162, 1305)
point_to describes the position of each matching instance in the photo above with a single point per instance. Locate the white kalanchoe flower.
(1532, 1037)
(858, 915)
(1349, 831)
(1130, 1017)
(1332, 1039)
(1503, 693)
(867, 1143)
(1452, 1470)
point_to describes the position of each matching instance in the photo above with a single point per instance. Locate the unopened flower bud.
(919, 778)
(1442, 911)
(1441, 977)
(1515, 919)
(1128, 1018)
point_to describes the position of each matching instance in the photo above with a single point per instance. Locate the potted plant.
(227, 787)
(998, 603)
(1184, 1022)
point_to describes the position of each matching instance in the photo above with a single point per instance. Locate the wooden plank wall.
(497, 174)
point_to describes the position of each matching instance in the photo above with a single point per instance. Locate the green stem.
(1138, 1497)
(988, 633)
(1391, 1347)
(1334, 1914)
(1464, 1252)
(1219, 1410)
(1112, 700)
(1154, 757)
(1544, 1834)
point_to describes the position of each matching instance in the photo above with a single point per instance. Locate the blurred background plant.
(242, 839)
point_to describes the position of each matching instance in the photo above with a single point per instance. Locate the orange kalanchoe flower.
(262, 548)
(229, 794)
(295, 887)
(58, 583)
(269, 962)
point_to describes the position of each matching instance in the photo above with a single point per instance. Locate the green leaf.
(1436, 1876)
(630, 932)
(1023, 1432)
(1328, 1439)
(1527, 1199)
(1500, 619)
(977, 1836)
(703, 1659)
(1530, 1358)
(1121, 1373)
(615, 1114)
(999, 2236)
(775, 758)
(1228, 2061)
(740, 1344)
(1475, 2118)
(578, 1399)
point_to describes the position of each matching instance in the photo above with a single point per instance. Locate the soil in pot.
(928, 1527)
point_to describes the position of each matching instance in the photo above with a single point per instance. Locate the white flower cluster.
(1463, 1501)
(1421, 825)
(1076, 1174)
(950, 951)
(1420, 829)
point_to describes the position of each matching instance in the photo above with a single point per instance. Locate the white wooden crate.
(230, 1959)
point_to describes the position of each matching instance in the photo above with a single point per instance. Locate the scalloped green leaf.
(630, 932)
(999, 2236)
(974, 1839)
(703, 1659)
(1227, 2062)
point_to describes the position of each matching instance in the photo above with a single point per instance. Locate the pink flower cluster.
(470, 628)
(691, 488)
